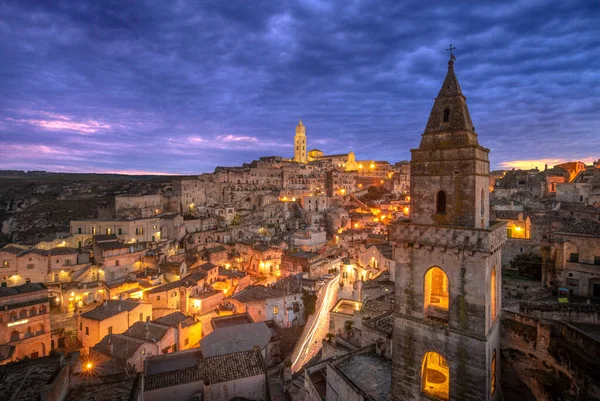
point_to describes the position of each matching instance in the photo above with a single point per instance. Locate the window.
(440, 202)
(109, 329)
(78, 230)
(574, 258)
(597, 260)
(142, 317)
(158, 297)
(187, 341)
(120, 231)
(275, 310)
(30, 266)
(87, 331)
(154, 227)
(493, 375)
(93, 230)
(173, 294)
(446, 115)
(493, 294)
(5, 264)
(80, 326)
(435, 376)
(117, 263)
(436, 294)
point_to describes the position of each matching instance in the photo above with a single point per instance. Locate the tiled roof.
(231, 320)
(109, 245)
(215, 249)
(21, 289)
(172, 319)
(109, 308)
(105, 237)
(217, 369)
(147, 331)
(384, 324)
(235, 338)
(26, 380)
(585, 227)
(207, 267)
(123, 346)
(287, 286)
(62, 251)
(14, 249)
(124, 389)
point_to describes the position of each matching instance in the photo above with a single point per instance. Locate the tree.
(528, 265)
(309, 299)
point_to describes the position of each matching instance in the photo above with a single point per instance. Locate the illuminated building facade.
(24, 322)
(448, 265)
(300, 144)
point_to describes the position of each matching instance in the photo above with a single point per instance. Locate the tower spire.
(450, 112)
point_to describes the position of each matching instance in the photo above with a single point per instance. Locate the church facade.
(448, 265)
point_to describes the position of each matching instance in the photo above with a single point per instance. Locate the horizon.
(166, 89)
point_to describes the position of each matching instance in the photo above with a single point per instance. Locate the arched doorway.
(435, 376)
(436, 295)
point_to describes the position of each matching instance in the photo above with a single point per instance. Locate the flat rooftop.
(369, 372)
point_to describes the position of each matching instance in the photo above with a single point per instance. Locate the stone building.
(112, 317)
(448, 265)
(300, 144)
(24, 322)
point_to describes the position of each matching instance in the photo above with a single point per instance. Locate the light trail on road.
(304, 353)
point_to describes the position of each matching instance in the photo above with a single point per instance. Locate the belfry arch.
(435, 376)
(436, 294)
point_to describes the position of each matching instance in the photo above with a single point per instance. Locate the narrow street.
(317, 326)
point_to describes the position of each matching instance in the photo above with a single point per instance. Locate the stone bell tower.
(300, 144)
(448, 292)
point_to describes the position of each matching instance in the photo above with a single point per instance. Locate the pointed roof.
(300, 123)
(449, 117)
(450, 87)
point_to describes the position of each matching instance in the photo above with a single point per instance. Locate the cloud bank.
(181, 87)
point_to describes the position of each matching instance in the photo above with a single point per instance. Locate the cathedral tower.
(448, 287)
(300, 144)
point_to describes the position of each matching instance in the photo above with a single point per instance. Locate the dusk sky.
(183, 86)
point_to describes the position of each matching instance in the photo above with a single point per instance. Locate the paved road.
(317, 326)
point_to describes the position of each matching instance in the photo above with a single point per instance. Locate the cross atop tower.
(450, 49)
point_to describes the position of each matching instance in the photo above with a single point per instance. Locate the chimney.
(146, 332)
(111, 347)
(147, 319)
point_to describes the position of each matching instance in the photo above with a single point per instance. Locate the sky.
(180, 87)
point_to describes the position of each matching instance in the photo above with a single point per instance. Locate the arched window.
(435, 376)
(436, 294)
(493, 375)
(23, 314)
(14, 335)
(482, 203)
(493, 295)
(440, 202)
(446, 115)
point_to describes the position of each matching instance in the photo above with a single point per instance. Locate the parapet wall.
(482, 240)
(574, 313)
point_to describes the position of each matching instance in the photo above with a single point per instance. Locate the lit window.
(493, 294)
(435, 376)
(493, 375)
(436, 294)
(275, 310)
